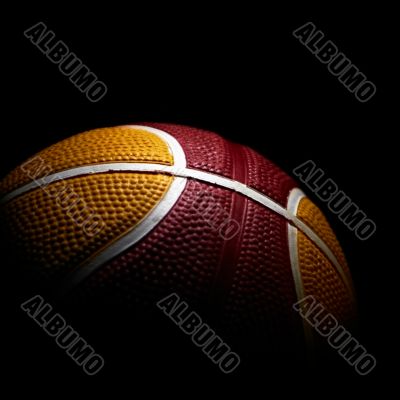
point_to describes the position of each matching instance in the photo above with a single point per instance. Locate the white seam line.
(325, 249)
(152, 168)
(179, 170)
(148, 223)
(185, 173)
(293, 202)
(174, 146)
(295, 196)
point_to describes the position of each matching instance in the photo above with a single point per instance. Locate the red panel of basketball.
(208, 151)
(209, 221)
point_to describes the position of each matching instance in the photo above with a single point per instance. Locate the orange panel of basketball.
(132, 213)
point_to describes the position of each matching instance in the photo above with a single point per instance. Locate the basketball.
(127, 215)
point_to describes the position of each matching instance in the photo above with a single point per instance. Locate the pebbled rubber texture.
(118, 144)
(242, 283)
(209, 152)
(321, 280)
(54, 242)
(181, 254)
(309, 213)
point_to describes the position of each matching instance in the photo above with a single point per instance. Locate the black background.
(239, 72)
